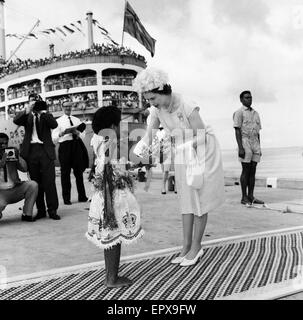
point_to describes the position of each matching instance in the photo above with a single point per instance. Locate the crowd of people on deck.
(80, 101)
(125, 79)
(23, 90)
(121, 99)
(2, 95)
(97, 50)
(83, 101)
(67, 81)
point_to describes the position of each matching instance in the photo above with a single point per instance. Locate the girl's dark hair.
(105, 117)
(166, 90)
(4, 136)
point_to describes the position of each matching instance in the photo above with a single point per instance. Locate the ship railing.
(73, 61)
(70, 83)
(22, 92)
(117, 80)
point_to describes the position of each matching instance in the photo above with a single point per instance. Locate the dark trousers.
(42, 170)
(69, 160)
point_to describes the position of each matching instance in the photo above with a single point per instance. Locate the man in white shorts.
(167, 164)
(247, 125)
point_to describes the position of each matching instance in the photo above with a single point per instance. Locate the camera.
(11, 154)
(40, 105)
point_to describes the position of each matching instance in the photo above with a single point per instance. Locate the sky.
(212, 50)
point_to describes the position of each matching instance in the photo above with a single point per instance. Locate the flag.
(72, 24)
(135, 28)
(61, 31)
(112, 41)
(68, 29)
(103, 30)
(33, 35)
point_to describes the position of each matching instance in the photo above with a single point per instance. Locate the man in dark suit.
(39, 152)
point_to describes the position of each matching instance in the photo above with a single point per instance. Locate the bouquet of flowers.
(153, 151)
(120, 178)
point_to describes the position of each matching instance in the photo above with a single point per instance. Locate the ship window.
(15, 108)
(121, 99)
(2, 113)
(23, 89)
(81, 78)
(82, 101)
(118, 77)
(2, 95)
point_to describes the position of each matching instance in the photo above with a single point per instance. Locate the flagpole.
(123, 24)
(32, 29)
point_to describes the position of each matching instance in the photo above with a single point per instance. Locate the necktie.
(37, 123)
(71, 123)
(5, 173)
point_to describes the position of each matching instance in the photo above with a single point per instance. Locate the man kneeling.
(12, 190)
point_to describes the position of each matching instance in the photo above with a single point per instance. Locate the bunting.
(104, 32)
(68, 29)
(32, 35)
(61, 31)
(65, 30)
(73, 25)
(58, 31)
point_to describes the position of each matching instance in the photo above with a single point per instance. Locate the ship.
(100, 75)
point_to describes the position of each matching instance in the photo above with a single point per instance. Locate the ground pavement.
(46, 244)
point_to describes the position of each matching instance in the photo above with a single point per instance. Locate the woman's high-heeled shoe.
(177, 260)
(187, 262)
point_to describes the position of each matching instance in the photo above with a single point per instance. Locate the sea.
(286, 162)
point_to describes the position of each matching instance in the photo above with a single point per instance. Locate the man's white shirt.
(64, 123)
(35, 138)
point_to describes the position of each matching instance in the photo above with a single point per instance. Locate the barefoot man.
(247, 125)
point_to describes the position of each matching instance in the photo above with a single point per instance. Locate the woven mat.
(224, 271)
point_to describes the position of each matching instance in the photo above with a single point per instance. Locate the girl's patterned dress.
(114, 215)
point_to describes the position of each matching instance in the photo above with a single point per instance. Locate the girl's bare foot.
(120, 282)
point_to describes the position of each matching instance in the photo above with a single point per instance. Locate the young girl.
(114, 215)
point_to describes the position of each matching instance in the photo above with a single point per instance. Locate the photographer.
(39, 152)
(12, 190)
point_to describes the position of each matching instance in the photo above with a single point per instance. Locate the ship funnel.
(90, 29)
(51, 50)
(2, 32)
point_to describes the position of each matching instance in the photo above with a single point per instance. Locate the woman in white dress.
(178, 117)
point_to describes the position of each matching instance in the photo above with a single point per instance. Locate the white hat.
(150, 79)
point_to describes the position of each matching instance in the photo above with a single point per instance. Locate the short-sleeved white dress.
(211, 195)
